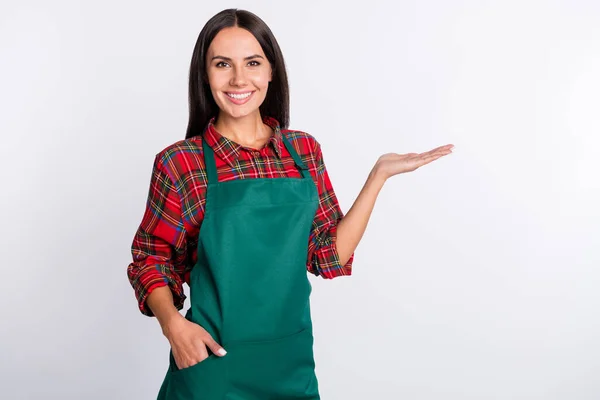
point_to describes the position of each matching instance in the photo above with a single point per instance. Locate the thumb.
(214, 346)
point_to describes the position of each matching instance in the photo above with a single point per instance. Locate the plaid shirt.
(165, 245)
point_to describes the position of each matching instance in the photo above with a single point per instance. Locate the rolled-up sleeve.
(323, 258)
(159, 244)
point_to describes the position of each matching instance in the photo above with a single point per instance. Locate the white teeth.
(239, 96)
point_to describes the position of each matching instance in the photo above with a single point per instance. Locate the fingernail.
(222, 352)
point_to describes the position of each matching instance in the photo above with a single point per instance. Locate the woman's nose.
(239, 77)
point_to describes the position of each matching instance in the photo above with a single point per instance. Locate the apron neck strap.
(209, 162)
(211, 166)
(303, 168)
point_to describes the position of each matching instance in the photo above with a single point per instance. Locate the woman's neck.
(248, 131)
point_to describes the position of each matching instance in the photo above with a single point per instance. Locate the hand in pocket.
(190, 343)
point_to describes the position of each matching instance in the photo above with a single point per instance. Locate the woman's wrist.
(160, 301)
(169, 323)
(377, 175)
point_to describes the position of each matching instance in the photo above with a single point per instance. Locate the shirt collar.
(229, 151)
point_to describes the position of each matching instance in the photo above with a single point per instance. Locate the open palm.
(391, 164)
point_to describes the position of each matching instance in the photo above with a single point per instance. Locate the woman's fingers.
(446, 149)
(213, 345)
(437, 152)
(427, 157)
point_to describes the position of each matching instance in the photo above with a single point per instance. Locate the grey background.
(478, 275)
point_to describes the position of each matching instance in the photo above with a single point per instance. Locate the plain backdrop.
(478, 276)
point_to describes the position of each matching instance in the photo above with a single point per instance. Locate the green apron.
(250, 290)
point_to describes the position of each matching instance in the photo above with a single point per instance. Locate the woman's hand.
(392, 164)
(189, 342)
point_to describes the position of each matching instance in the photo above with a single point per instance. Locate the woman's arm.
(159, 252)
(351, 228)
(159, 245)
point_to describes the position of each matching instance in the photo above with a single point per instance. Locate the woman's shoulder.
(181, 156)
(303, 142)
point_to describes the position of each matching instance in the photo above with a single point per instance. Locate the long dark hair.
(201, 102)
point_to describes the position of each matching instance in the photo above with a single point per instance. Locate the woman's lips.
(239, 101)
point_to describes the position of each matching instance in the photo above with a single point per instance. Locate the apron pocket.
(176, 370)
(203, 380)
(273, 369)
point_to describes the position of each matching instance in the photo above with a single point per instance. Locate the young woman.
(240, 210)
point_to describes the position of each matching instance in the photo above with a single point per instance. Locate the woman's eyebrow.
(245, 58)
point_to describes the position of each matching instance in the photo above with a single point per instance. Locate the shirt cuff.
(153, 279)
(326, 261)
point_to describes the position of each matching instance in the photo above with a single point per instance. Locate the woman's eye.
(256, 63)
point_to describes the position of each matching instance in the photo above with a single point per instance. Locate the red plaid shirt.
(165, 244)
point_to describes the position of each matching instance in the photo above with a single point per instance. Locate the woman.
(240, 210)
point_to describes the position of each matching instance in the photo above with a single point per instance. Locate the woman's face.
(238, 72)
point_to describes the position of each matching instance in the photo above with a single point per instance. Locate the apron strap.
(209, 161)
(211, 166)
(303, 168)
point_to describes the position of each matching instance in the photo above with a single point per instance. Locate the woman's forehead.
(234, 42)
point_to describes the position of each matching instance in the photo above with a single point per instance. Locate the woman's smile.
(239, 98)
